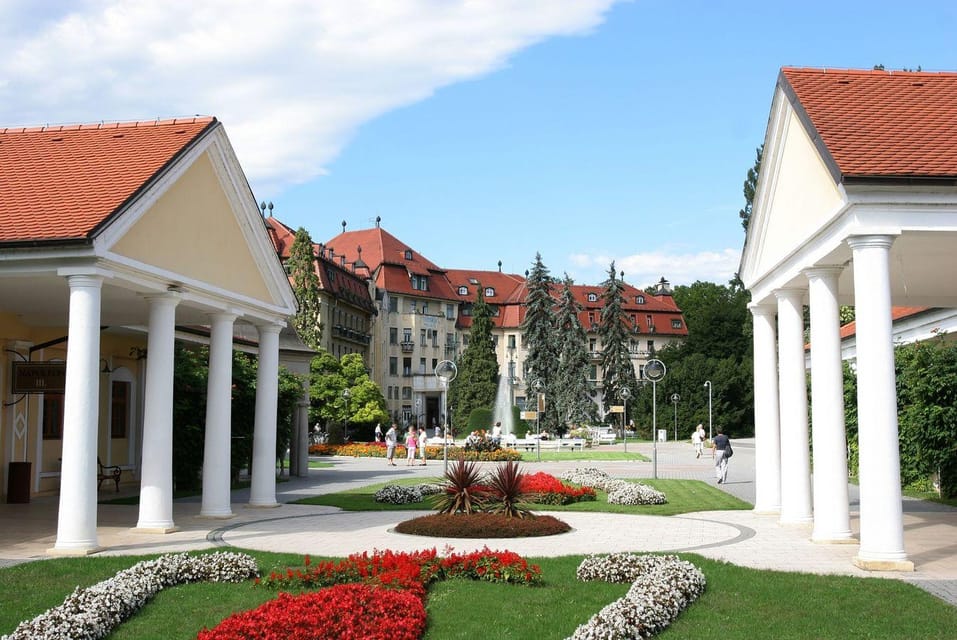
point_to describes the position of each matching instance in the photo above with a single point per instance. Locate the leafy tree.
(475, 384)
(572, 400)
(190, 374)
(365, 406)
(305, 284)
(290, 390)
(750, 184)
(617, 370)
(717, 317)
(538, 333)
(325, 394)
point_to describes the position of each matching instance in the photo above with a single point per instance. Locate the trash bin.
(662, 435)
(18, 482)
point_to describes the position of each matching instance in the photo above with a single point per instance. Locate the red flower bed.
(343, 611)
(550, 490)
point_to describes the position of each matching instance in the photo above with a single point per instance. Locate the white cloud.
(643, 269)
(292, 81)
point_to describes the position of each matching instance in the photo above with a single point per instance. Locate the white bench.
(564, 444)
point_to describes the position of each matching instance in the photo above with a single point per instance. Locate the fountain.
(502, 412)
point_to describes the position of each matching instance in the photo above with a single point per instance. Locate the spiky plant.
(463, 491)
(505, 491)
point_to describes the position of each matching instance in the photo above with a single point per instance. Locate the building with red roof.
(856, 204)
(116, 240)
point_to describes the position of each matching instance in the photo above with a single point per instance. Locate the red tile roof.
(897, 313)
(879, 124)
(62, 182)
(509, 294)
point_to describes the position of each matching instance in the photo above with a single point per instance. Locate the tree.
(305, 284)
(617, 370)
(572, 400)
(475, 384)
(538, 333)
(717, 317)
(750, 184)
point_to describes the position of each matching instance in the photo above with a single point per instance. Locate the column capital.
(271, 327)
(790, 294)
(168, 297)
(222, 316)
(85, 280)
(823, 271)
(762, 310)
(870, 241)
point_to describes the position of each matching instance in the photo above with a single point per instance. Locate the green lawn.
(684, 496)
(738, 604)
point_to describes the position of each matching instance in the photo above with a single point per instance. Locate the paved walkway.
(740, 537)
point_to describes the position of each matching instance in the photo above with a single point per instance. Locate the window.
(435, 363)
(406, 334)
(511, 341)
(425, 308)
(463, 291)
(406, 393)
(393, 366)
(420, 283)
(593, 372)
(393, 335)
(450, 312)
(411, 306)
(407, 366)
(393, 304)
(422, 366)
(435, 337)
(639, 299)
(592, 345)
(408, 254)
(422, 338)
(449, 340)
(593, 297)
(120, 409)
(591, 317)
(473, 281)
(649, 322)
(489, 292)
(651, 347)
(676, 324)
(52, 416)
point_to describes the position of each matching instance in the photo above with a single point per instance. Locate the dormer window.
(473, 281)
(676, 324)
(463, 291)
(639, 299)
(408, 254)
(420, 283)
(593, 297)
(489, 292)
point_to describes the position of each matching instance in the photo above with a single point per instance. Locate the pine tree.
(538, 333)
(572, 400)
(477, 381)
(617, 370)
(750, 184)
(305, 284)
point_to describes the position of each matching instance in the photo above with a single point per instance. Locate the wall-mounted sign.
(617, 408)
(529, 415)
(38, 377)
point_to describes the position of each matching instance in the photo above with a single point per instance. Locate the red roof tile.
(62, 182)
(897, 313)
(879, 123)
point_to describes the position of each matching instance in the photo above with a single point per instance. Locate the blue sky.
(586, 130)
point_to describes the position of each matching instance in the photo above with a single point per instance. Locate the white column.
(882, 531)
(156, 482)
(263, 485)
(795, 452)
(767, 425)
(216, 448)
(302, 431)
(76, 517)
(831, 512)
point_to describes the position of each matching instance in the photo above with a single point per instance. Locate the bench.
(533, 444)
(108, 472)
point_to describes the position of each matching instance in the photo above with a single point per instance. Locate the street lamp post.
(345, 429)
(707, 383)
(445, 371)
(655, 371)
(624, 394)
(539, 387)
(675, 398)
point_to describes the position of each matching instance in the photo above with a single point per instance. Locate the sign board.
(38, 377)
(618, 408)
(529, 415)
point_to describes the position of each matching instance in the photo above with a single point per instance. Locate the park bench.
(108, 472)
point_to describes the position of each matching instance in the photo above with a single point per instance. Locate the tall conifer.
(617, 369)
(477, 381)
(538, 334)
(573, 403)
(305, 284)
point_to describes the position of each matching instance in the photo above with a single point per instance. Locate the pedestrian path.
(741, 537)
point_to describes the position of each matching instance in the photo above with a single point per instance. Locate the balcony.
(407, 346)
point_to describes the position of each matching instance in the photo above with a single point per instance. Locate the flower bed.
(662, 587)
(619, 491)
(94, 612)
(548, 489)
(482, 525)
(378, 450)
(405, 494)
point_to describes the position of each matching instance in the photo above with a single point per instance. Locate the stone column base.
(164, 530)
(883, 565)
(265, 505)
(848, 540)
(74, 553)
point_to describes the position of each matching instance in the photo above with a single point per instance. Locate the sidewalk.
(740, 537)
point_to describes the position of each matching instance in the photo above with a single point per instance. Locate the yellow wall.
(192, 229)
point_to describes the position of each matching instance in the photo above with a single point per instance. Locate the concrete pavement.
(740, 537)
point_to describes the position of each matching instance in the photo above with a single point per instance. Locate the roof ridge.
(872, 72)
(108, 124)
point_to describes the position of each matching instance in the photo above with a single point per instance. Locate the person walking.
(697, 439)
(423, 438)
(721, 448)
(410, 441)
(390, 440)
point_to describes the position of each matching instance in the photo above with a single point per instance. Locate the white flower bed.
(662, 587)
(619, 491)
(399, 494)
(92, 613)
